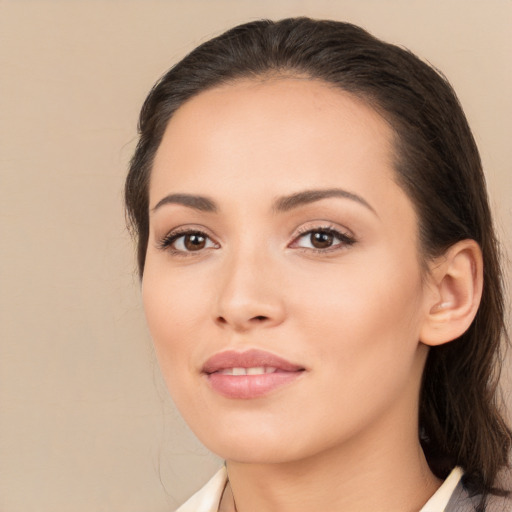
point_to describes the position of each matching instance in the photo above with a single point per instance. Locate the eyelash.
(345, 240)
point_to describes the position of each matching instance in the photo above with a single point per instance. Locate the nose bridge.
(248, 294)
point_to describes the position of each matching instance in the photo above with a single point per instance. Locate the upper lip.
(248, 359)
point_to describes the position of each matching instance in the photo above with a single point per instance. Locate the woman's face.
(282, 285)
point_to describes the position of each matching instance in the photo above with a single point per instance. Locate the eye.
(323, 239)
(187, 242)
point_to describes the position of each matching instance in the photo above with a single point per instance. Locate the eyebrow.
(280, 205)
(201, 203)
(287, 203)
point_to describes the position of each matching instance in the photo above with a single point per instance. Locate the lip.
(249, 386)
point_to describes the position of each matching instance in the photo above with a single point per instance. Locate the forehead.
(278, 103)
(280, 127)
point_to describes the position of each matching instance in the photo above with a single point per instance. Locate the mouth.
(250, 374)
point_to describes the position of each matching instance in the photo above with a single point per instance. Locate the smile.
(250, 374)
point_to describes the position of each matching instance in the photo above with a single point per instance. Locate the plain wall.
(86, 423)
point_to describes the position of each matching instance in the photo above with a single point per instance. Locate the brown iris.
(321, 239)
(194, 242)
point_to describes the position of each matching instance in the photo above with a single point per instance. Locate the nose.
(250, 295)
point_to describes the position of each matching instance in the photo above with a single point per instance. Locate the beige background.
(86, 424)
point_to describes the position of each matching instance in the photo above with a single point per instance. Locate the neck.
(382, 474)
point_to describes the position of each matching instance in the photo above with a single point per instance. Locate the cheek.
(362, 334)
(367, 319)
(173, 308)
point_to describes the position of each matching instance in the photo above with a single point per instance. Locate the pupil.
(321, 240)
(194, 242)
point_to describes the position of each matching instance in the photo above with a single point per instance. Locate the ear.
(453, 293)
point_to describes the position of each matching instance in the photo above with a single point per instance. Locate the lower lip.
(250, 386)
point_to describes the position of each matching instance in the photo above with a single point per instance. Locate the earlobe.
(455, 289)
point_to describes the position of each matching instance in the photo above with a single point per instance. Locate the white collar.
(207, 499)
(440, 499)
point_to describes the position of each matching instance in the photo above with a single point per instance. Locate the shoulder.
(208, 497)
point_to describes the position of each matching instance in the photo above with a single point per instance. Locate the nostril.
(243, 322)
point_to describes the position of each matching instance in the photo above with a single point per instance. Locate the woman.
(320, 273)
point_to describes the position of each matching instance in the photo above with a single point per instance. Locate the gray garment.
(462, 502)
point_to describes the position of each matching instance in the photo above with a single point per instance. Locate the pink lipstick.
(249, 374)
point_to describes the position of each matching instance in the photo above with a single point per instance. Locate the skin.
(342, 435)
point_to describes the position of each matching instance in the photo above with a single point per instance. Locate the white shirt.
(208, 498)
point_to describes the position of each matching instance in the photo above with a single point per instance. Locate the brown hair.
(438, 166)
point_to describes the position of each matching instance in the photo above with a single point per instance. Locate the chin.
(255, 451)
(249, 446)
(260, 443)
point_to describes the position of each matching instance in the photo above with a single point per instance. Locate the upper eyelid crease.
(337, 233)
(280, 205)
(184, 231)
